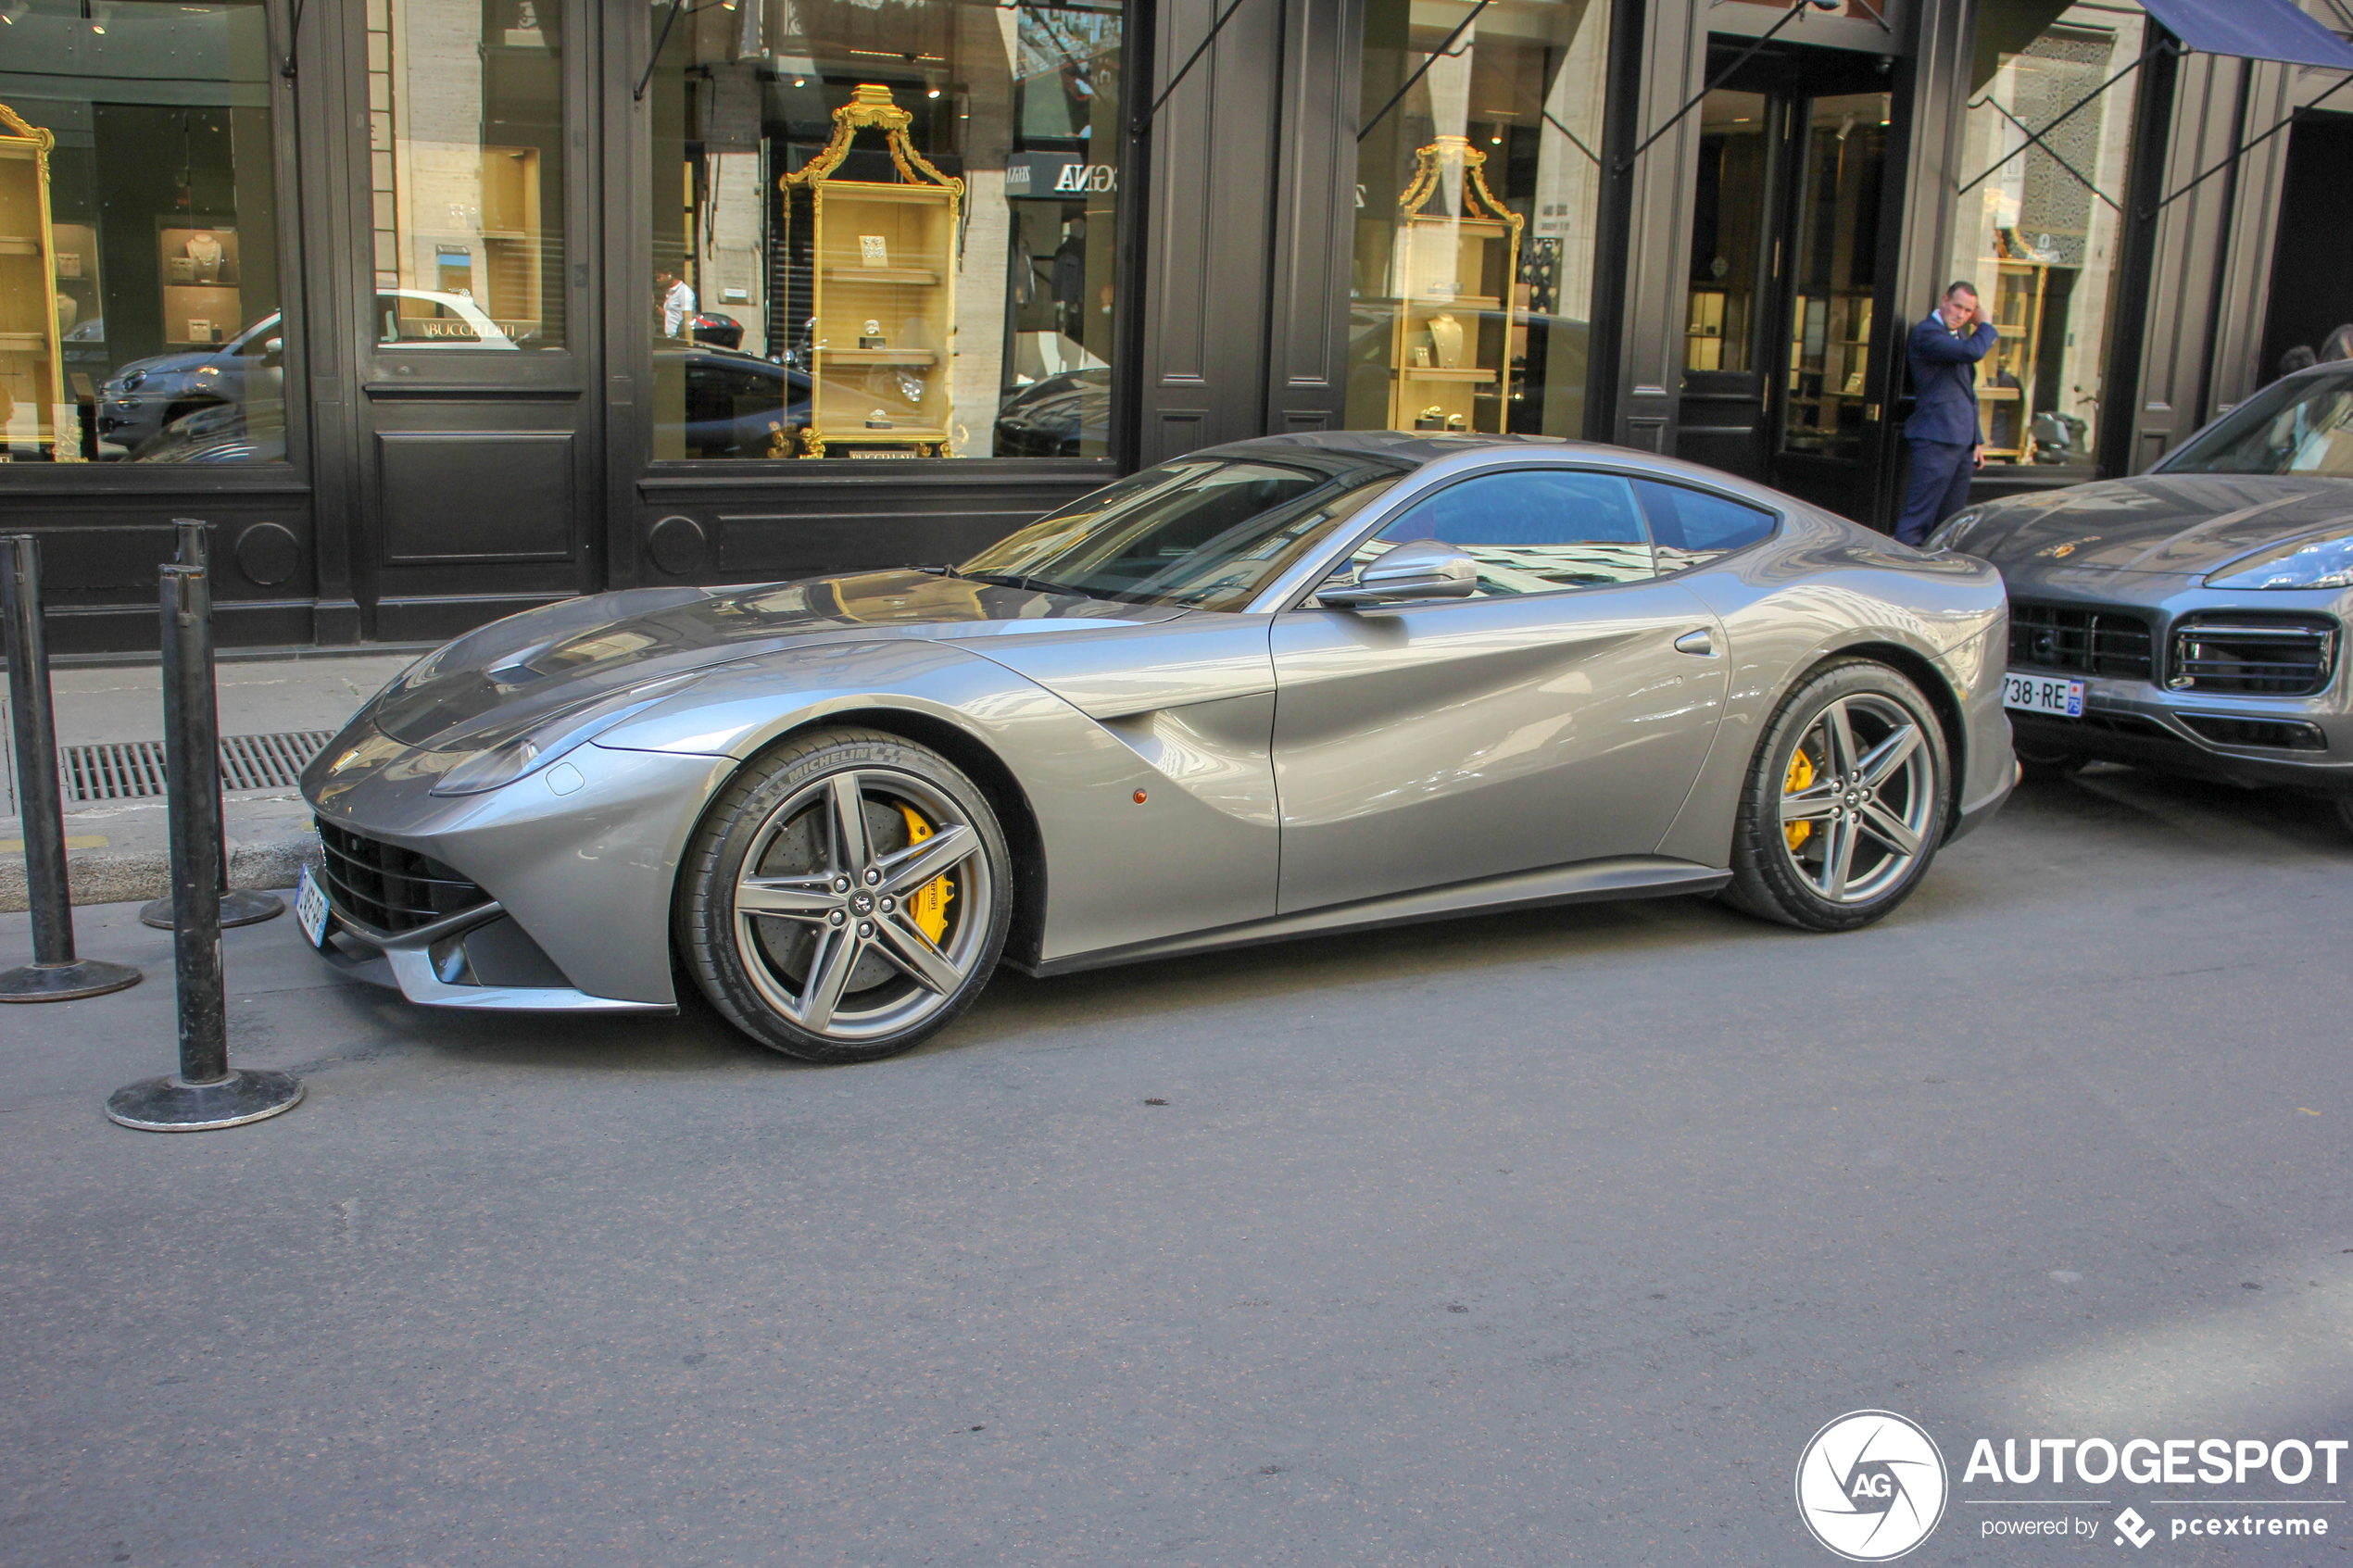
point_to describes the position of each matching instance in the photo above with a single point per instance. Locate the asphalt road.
(1530, 1241)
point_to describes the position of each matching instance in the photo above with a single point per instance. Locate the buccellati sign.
(1871, 1486)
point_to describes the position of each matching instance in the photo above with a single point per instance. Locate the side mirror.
(1420, 569)
(273, 347)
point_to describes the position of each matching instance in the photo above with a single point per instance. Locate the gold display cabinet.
(2005, 377)
(1455, 278)
(36, 418)
(882, 293)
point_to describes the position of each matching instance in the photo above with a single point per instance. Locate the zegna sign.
(1058, 174)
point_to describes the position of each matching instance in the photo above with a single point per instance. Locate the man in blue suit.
(1942, 431)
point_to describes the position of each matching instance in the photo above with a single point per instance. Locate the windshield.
(1199, 532)
(2303, 426)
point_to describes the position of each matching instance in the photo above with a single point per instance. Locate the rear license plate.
(310, 908)
(2044, 693)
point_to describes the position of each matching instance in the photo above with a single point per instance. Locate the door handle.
(1698, 643)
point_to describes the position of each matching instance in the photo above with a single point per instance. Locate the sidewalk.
(117, 849)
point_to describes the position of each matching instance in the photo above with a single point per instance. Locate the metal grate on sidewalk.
(135, 770)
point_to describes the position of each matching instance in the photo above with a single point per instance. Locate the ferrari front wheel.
(1844, 803)
(846, 897)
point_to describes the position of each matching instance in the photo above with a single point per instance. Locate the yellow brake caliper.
(1801, 776)
(929, 903)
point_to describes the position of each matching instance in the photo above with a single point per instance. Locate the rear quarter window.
(1692, 527)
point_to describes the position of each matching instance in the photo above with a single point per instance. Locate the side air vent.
(2253, 655)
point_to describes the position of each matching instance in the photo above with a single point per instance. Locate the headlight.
(553, 735)
(1949, 534)
(130, 381)
(2299, 563)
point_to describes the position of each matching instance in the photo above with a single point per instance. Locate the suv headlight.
(1949, 534)
(2299, 563)
(552, 734)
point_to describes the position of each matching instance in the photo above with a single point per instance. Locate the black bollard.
(55, 975)
(238, 908)
(206, 1092)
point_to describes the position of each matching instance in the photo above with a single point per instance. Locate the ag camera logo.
(1871, 1486)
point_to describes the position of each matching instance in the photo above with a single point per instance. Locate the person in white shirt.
(677, 304)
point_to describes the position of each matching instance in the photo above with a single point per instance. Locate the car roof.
(1420, 450)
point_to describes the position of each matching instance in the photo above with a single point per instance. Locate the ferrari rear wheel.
(846, 895)
(1844, 803)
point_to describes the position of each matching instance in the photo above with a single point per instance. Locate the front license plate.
(310, 908)
(2044, 693)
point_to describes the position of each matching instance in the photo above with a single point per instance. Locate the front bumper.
(554, 891)
(2151, 733)
(439, 965)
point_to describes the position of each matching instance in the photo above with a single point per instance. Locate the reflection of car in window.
(734, 405)
(1063, 416)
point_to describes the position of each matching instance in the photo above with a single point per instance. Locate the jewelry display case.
(2005, 377)
(35, 418)
(1454, 276)
(882, 288)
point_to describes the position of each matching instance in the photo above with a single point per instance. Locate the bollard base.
(168, 1105)
(66, 982)
(238, 907)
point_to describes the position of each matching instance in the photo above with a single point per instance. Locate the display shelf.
(921, 277)
(1453, 276)
(882, 355)
(36, 418)
(882, 304)
(2006, 376)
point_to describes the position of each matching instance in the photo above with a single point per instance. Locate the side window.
(1692, 527)
(1533, 530)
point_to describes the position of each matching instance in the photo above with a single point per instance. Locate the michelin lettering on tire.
(1871, 1486)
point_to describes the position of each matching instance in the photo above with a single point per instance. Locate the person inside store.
(1943, 431)
(2300, 357)
(676, 302)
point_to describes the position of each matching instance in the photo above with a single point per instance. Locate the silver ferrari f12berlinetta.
(1269, 690)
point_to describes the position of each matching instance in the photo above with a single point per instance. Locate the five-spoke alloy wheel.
(845, 896)
(1845, 802)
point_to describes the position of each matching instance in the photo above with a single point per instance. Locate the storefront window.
(893, 229)
(1479, 185)
(465, 144)
(2038, 233)
(138, 234)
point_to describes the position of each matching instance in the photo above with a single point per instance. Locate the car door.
(1559, 715)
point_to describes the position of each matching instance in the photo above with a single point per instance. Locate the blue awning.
(2253, 30)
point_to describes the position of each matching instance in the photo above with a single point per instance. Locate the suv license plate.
(2044, 693)
(310, 908)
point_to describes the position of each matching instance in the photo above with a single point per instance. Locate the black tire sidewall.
(715, 853)
(1764, 883)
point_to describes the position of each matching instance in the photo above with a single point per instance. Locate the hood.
(503, 679)
(2185, 524)
(163, 365)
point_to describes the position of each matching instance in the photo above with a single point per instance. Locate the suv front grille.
(390, 889)
(2081, 641)
(2253, 655)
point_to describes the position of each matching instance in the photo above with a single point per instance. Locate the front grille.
(2080, 641)
(2253, 655)
(390, 889)
(2287, 735)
